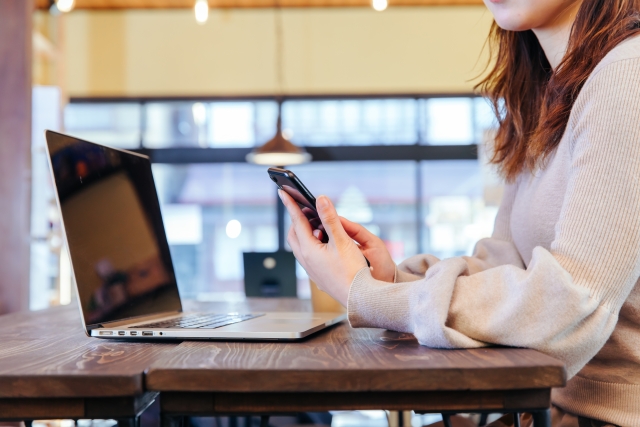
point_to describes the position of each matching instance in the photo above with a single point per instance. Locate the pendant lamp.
(279, 151)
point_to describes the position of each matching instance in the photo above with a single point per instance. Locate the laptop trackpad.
(273, 322)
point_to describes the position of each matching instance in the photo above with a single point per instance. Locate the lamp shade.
(278, 151)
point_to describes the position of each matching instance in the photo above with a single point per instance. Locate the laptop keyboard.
(200, 321)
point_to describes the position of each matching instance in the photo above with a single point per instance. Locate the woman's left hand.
(331, 265)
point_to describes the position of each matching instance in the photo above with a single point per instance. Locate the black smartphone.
(289, 182)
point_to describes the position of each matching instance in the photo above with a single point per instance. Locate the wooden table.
(49, 369)
(347, 369)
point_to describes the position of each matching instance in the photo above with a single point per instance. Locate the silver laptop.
(122, 266)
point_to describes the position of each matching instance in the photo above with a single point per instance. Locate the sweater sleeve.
(566, 301)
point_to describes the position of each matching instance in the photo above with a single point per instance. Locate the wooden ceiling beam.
(243, 4)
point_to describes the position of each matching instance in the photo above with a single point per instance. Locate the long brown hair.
(532, 102)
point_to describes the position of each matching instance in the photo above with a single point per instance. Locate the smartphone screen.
(289, 182)
(298, 197)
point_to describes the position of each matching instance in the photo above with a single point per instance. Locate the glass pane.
(379, 195)
(454, 211)
(213, 213)
(215, 124)
(175, 124)
(351, 122)
(447, 121)
(46, 276)
(113, 124)
(485, 119)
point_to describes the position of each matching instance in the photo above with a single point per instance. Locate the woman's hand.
(331, 265)
(382, 265)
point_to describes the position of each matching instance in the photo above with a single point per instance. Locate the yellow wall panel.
(164, 52)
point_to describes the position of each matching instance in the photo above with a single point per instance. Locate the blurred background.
(382, 99)
(380, 94)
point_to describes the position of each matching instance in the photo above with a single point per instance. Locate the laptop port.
(121, 333)
(147, 333)
(106, 332)
(133, 333)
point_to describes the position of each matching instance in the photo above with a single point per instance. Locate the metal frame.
(262, 97)
(341, 153)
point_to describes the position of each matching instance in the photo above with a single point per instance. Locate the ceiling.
(183, 4)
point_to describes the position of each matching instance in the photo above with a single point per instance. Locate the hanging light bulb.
(278, 151)
(65, 5)
(202, 11)
(379, 5)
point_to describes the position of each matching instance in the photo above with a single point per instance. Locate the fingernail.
(322, 202)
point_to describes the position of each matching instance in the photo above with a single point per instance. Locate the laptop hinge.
(136, 319)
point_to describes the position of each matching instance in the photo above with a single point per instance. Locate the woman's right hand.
(373, 248)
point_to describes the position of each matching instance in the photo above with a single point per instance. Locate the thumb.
(357, 232)
(330, 220)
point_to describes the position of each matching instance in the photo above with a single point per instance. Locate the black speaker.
(270, 274)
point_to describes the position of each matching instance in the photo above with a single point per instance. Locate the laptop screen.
(114, 230)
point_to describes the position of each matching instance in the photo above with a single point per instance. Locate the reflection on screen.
(307, 208)
(114, 230)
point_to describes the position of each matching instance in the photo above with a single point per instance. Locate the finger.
(298, 220)
(292, 239)
(330, 220)
(357, 232)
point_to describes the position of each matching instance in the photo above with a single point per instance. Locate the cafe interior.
(373, 100)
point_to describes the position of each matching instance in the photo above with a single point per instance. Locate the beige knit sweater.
(561, 272)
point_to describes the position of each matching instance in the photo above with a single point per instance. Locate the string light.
(65, 5)
(202, 11)
(379, 5)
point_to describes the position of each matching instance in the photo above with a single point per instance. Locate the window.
(447, 121)
(213, 213)
(455, 214)
(433, 196)
(310, 122)
(379, 195)
(351, 122)
(115, 124)
(209, 124)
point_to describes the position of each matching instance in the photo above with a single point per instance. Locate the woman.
(560, 273)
